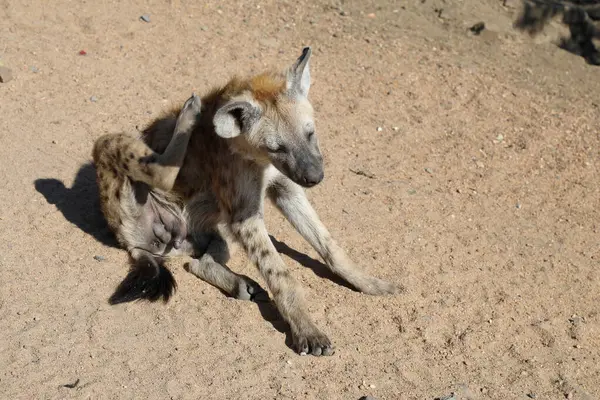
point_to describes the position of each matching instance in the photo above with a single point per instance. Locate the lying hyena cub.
(253, 138)
(147, 219)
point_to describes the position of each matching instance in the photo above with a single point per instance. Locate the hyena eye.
(156, 244)
(310, 135)
(277, 149)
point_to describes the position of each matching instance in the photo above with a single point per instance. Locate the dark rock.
(477, 28)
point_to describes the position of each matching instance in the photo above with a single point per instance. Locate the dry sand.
(481, 199)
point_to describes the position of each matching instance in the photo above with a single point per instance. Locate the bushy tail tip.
(148, 279)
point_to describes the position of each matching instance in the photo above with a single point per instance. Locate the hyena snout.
(311, 172)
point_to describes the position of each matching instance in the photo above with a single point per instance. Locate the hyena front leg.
(211, 268)
(128, 156)
(291, 200)
(287, 293)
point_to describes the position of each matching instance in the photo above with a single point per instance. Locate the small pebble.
(518, 205)
(99, 258)
(145, 18)
(477, 28)
(531, 395)
(575, 319)
(372, 386)
(82, 52)
(289, 362)
(371, 15)
(5, 74)
(54, 142)
(343, 13)
(367, 398)
(93, 99)
(34, 69)
(396, 128)
(428, 170)
(379, 129)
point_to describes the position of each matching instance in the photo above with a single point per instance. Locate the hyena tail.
(148, 279)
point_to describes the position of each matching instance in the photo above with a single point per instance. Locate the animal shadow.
(585, 49)
(316, 266)
(79, 204)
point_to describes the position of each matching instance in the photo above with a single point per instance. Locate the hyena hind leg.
(127, 156)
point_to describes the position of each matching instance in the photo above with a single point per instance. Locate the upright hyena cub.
(254, 138)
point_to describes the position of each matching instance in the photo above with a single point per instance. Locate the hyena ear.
(298, 76)
(235, 118)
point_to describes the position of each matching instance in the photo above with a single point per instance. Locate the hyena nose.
(313, 178)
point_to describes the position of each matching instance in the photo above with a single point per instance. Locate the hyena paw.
(376, 287)
(189, 112)
(248, 289)
(316, 344)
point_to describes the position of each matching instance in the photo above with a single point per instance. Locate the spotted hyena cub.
(246, 141)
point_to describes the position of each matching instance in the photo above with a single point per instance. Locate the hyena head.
(270, 119)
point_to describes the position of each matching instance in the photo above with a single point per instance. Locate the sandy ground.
(481, 200)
